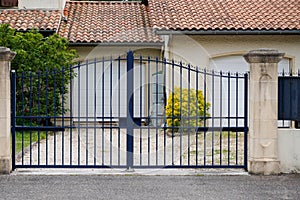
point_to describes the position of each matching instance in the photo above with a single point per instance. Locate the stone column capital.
(263, 56)
(6, 54)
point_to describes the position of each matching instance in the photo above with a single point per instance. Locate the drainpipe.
(167, 41)
(167, 55)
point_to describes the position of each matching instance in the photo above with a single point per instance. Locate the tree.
(43, 69)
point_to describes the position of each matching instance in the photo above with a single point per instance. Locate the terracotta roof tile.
(122, 22)
(101, 22)
(29, 19)
(225, 14)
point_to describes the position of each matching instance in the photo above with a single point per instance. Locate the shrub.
(184, 111)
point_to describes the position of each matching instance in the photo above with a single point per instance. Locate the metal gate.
(129, 112)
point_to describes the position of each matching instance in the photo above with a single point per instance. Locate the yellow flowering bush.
(184, 110)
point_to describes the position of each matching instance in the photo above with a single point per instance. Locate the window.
(9, 3)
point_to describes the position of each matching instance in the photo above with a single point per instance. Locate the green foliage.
(6, 35)
(185, 108)
(43, 65)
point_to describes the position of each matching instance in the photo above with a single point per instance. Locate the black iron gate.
(129, 112)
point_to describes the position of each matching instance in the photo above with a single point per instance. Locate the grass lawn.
(25, 137)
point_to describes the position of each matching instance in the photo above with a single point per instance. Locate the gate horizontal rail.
(40, 128)
(222, 129)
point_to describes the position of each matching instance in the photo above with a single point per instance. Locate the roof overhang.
(45, 33)
(145, 44)
(228, 32)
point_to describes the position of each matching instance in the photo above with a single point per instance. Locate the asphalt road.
(149, 187)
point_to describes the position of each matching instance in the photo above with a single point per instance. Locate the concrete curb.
(135, 172)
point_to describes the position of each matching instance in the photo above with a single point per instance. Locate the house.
(209, 34)
(219, 31)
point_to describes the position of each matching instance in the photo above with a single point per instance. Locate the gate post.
(263, 109)
(130, 106)
(5, 156)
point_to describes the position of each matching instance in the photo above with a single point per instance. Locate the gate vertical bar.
(103, 103)
(246, 123)
(86, 113)
(204, 94)
(181, 131)
(197, 115)
(95, 111)
(30, 111)
(47, 116)
(141, 107)
(13, 117)
(110, 109)
(39, 120)
(130, 84)
(71, 113)
(236, 116)
(23, 114)
(62, 117)
(119, 109)
(229, 118)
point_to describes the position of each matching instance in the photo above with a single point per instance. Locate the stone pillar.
(263, 108)
(5, 155)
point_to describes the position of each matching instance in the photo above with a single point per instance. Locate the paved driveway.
(149, 187)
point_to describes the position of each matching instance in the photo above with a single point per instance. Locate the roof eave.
(45, 33)
(228, 32)
(39, 30)
(146, 44)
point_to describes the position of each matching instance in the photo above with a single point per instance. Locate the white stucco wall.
(108, 71)
(289, 150)
(45, 4)
(198, 49)
(91, 52)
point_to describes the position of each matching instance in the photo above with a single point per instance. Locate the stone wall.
(289, 150)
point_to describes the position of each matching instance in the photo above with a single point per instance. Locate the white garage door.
(230, 101)
(100, 90)
(238, 64)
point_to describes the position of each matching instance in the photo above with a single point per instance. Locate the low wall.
(289, 150)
